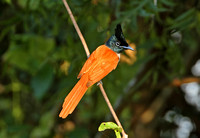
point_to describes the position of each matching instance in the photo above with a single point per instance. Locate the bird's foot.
(100, 82)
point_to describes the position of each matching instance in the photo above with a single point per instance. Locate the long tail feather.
(74, 97)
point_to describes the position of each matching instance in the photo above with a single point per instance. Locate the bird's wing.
(101, 62)
(106, 61)
(92, 61)
(87, 65)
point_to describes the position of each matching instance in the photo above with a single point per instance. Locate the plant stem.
(112, 110)
(88, 54)
(77, 28)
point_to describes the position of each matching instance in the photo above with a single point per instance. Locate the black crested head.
(117, 41)
(120, 36)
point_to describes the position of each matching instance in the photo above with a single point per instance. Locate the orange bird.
(101, 62)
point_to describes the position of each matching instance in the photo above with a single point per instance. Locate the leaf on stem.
(111, 125)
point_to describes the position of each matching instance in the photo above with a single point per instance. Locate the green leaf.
(185, 15)
(168, 3)
(111, 125)
(42, 81)
(184, 20)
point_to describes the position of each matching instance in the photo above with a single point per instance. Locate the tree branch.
(88, 54)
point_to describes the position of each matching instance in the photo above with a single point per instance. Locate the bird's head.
(117, 41)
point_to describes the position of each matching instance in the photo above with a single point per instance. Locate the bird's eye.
(117, 44)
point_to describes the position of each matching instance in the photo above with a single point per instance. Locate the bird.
(100, 63)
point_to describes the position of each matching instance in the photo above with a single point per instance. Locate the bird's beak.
(128, 48)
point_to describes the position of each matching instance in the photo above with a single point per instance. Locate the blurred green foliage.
(37, 37)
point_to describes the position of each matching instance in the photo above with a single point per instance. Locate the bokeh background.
(155, 90)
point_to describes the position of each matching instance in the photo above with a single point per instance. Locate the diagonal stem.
(112, 110)
(88, 54)
(77, 28)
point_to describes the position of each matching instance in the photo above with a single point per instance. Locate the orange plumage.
(101, 62)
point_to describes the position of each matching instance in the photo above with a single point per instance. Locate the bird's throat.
(118, 54)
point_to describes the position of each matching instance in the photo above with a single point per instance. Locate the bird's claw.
(100, 82)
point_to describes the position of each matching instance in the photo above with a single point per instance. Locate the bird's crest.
(120, 36)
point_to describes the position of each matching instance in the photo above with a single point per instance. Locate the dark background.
(155, 90)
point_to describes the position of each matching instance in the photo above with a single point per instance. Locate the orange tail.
(74, 97)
